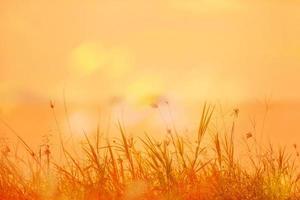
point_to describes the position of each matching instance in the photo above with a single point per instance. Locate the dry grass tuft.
(145, 168)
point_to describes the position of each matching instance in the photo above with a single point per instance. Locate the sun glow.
(87, 58)
(142, 92)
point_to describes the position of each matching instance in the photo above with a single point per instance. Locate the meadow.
(204, 166)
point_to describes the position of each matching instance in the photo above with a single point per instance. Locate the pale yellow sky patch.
(87, 58)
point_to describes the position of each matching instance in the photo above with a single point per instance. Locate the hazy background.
(114, 59)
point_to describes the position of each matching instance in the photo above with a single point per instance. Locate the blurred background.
(149, 64)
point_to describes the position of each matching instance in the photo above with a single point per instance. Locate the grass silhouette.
(129, 168)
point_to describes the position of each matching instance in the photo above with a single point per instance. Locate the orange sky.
(233, 51)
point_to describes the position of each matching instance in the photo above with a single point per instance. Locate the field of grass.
(176, 168)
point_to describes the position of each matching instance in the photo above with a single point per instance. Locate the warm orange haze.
(235, 52)
(75, 67)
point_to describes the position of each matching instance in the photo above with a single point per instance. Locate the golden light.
(141, 92)
(91, 57)
(87, 58)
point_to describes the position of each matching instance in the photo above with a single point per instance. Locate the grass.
(174, 168)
